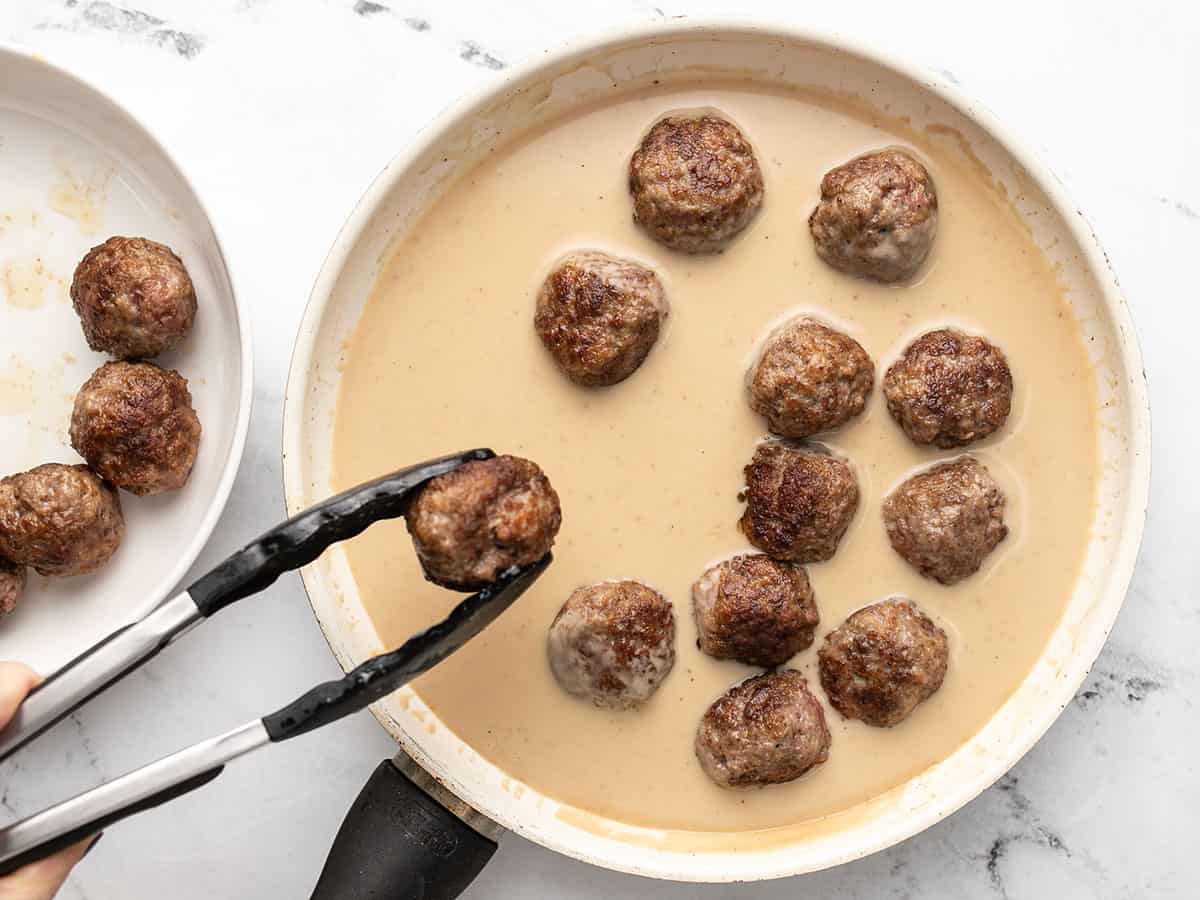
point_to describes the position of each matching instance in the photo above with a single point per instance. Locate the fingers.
(16, 680)
(41, 880)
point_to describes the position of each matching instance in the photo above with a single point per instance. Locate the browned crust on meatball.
(945, 521)
(883, 661)
(810, 378)
(599, 316)
(134, 424)
(754, 609)
(134, 298)
(799, 502)
(473, 523)
(767, 730)
(695, 183)
(59, 520)
(877, 216)
(613, 643)
(12, 585)
(949, 389)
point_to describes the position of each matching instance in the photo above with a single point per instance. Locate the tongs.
(295, 543)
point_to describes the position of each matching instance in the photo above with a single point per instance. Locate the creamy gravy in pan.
(446, 358)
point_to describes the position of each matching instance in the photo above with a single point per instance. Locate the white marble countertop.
(283, 110)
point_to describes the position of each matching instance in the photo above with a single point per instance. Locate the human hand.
(40, 880)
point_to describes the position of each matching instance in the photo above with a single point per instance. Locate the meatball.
(475, 522)
(12, 584)
(949, 389)
(134, 298)
(799, 502)
(60, 520)
(134, 424)
(695, 183)
(810, 378)
(945, 521)
(882, 661)
(599, 316)
(754, 609)
(766, 730)
(613, 643)
(877, 216)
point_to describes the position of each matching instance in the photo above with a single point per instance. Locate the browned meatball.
(882, 661)
(810, 378)
(949, 389)
(767, 730)
(60, 520)
(134, 298)
(945, 521)
(613, 643)
(799, 502)
(134, 424)
(473, 523)
(12, 585)
(877, 216)
(695, 183)
(599, 316)
(754, 609)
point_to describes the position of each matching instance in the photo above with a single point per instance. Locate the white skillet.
(566, 79)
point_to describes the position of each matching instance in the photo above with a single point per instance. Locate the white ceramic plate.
(75, 169)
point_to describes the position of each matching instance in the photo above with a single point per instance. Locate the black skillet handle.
(305, 536)
(399, 843)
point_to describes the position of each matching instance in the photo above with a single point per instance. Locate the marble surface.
(283, 110)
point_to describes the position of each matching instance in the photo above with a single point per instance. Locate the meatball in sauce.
(695, 182)
(599, 316)
(134, 298)
(767, 730)
(613, 643)
(877, 216)
(945, 521)
(799, 502)
(475, 522)
(754, 609)
(810, 378)
(59, 520)
(135, 425)
(949, 389)
(883, 661)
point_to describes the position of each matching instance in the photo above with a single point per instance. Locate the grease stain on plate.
(17, 395)
(26, 389)
(80, 198)
(25, 282)
(19, 219)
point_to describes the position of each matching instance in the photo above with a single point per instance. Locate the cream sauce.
(445, 357)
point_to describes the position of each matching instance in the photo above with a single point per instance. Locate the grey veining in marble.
(283, 110)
